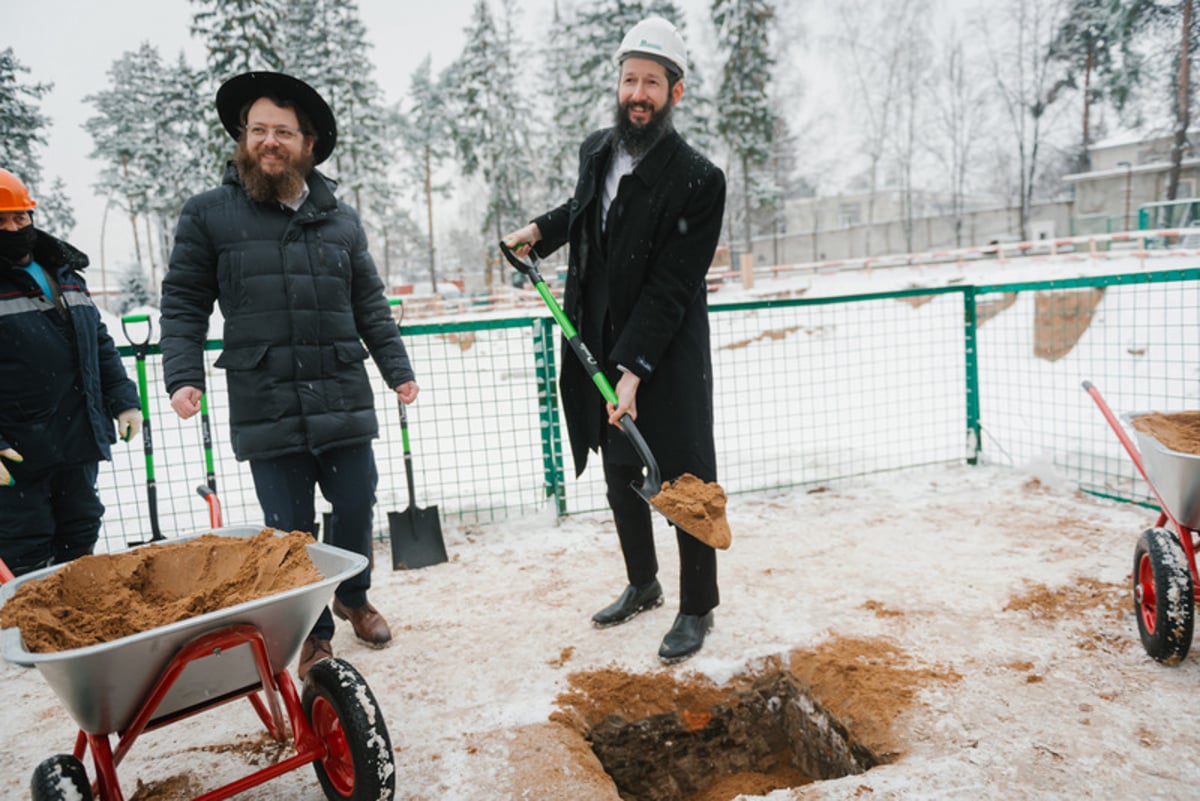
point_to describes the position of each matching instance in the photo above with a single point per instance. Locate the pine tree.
(123, 134)
(240, 35)
(747, 121)
(1173, 28)
(22, 132)
(427, 144)
(490, 119)
(324, 43)
(1096, 42)
(594, 32)
(135, 289)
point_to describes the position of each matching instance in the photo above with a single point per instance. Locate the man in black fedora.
(300, 296)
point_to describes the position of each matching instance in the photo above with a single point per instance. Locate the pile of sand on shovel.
(698, 507)
(97, 599)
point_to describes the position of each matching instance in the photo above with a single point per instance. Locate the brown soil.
(987, 309)
(775, 334)
(866, 683)
(1060, 320)
(698, 507)
(1178, 432)
(100, 598)
(729, 787)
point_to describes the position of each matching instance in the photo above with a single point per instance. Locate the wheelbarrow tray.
(1174, 475)
(104, 686)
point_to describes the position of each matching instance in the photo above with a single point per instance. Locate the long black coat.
(298, 291)
(662, 232)
(63, 379)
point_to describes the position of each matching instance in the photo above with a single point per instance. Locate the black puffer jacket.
(300, 295)
(62, 378)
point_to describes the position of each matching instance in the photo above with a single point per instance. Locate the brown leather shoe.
(369, 625)
(313, 651)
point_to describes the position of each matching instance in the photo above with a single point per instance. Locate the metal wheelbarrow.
(1164, 561)
(144, 681)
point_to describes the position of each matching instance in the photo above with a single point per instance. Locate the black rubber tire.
(51, 777)
(359, 765)
(1163, 596)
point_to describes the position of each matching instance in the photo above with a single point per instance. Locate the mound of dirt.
(100, 598)
(698, 507)
(1179, 431)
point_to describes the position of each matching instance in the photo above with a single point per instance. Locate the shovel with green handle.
(140, 349)
(709, 525)
(416, 533)
(652, 484)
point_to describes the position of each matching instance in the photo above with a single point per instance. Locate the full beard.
(638, 139)
(264, 187)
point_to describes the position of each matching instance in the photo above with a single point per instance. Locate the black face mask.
(15, 246)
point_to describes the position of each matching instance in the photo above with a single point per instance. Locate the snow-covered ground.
(1002, 593)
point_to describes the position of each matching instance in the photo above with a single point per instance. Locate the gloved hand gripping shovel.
(140, 349)
(706, 518)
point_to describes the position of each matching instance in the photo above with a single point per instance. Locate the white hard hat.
(656, 38)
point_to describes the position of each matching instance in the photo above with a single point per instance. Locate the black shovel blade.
(416, 538)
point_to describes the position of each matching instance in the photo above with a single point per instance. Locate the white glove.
(6, 479)
(129, 423)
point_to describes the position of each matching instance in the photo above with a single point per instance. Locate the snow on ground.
(1006, 579)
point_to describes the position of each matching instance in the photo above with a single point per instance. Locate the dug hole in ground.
(968, 631)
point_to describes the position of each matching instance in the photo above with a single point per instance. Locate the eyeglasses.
(281, 134)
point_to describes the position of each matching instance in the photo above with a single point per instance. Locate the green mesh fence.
(1133, 336)
(806, 391)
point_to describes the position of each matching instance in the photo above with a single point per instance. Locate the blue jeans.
(50, 520)
(347, 476)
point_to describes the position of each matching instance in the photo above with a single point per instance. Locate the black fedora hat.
(239, 90)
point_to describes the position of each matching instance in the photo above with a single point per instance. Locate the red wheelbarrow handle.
(1132, 449)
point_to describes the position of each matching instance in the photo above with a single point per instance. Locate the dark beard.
(263, 187)
(638, 139)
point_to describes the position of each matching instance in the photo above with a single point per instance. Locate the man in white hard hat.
(64, 384)
(642, 228)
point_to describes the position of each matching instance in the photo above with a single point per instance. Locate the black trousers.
(50, 520)
(347, 477)
(633, 518)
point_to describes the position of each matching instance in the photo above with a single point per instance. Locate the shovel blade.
(416, 538)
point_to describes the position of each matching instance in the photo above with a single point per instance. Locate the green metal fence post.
(547, 392)
(971, 361)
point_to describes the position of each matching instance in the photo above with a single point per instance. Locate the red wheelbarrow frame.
(1184, 533)
(311, 745)
(1164, 567)
(323, 740)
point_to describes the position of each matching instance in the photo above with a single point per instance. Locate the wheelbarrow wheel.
(61, 778)
(344, 714)
(1163, 596)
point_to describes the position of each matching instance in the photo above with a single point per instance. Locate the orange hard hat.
(14, 195)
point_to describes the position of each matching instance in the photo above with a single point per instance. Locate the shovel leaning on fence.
(140, 349)
(416, 533)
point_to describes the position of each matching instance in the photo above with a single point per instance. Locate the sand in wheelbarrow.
(698, 506)
(1179, 431)
(100, 598)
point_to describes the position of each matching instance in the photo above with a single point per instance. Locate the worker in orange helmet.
(64, 384)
